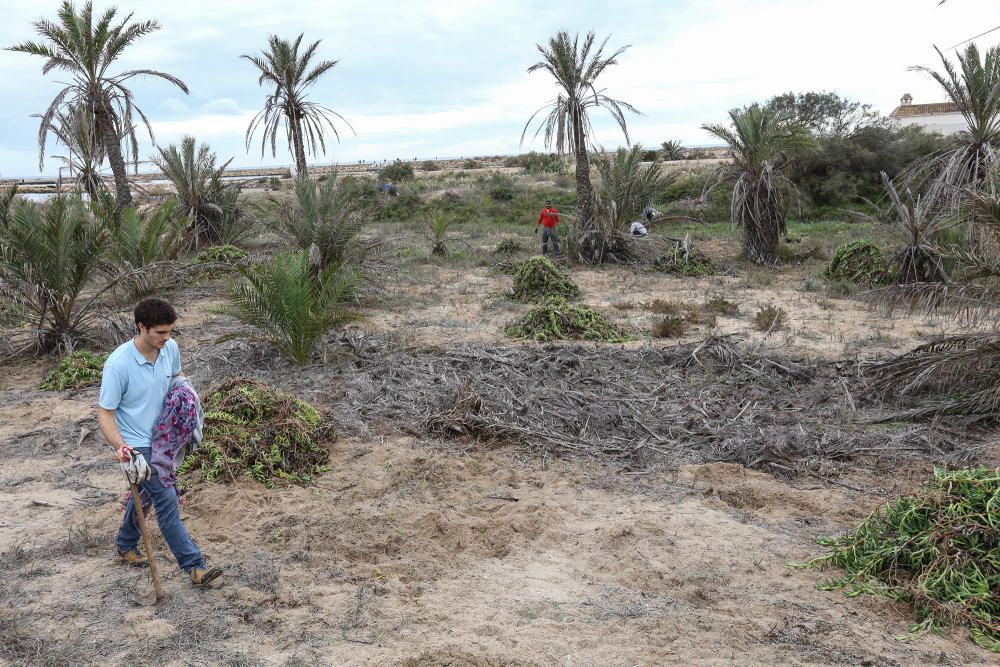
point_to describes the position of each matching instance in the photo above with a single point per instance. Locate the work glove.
(136, 469)
(536, 229)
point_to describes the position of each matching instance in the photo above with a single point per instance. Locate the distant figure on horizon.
(547, 220)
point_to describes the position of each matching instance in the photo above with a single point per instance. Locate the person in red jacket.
(547, 220)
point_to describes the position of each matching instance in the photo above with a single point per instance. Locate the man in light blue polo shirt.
(133, 389)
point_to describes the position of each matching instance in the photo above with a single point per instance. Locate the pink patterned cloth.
(176, 430)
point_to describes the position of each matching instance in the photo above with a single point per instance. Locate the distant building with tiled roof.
(942, 117)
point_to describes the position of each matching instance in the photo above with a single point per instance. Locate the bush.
(500, 187)
(76, 370)
(722, 306)
(472, 164)
(671, 326)
(147, 245)
(430, 165)
(508, 246)
(770, 318)
(209, 204)
(537, 279)
(48, 255)
(397, 172)
(291, 304)
(650, 156)
(255, 431)
(860, 261)
(556, 320)
(329, 217)
(537, 164)
(935, 550)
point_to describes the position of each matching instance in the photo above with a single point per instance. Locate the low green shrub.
(75, 370)
(255, 431)
(537, 279)
(557, 320)
(721, 306)
(861, 262)
(396, 172)
(937, 550)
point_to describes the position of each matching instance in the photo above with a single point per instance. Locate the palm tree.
(627, 186)
(288, 71)
(759, 140)
(75, 128)
(86, 50)
(567, 127)
(292, 305)
(210, 205)
(974, 152)
(672, 150)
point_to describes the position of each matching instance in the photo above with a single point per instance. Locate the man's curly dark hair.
(154, 313)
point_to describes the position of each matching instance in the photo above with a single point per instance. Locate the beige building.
(940, 117)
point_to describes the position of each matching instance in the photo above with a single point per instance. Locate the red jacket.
(549, 217)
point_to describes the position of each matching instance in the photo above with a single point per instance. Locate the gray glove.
(136, 469)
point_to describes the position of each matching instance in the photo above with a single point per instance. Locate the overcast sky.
(448, 78)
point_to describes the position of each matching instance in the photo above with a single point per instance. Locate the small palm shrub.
(210, 205)
(48, 255)
(672, 150)
(438, 224)
(145, 246)
(292, 304)
(330, 216)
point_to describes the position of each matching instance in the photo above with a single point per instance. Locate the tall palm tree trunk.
(298, 145)
(584, 197)
(112, 145)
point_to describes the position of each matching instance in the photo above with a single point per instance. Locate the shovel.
(154, 595)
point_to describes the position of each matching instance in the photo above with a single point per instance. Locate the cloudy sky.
(448, 78)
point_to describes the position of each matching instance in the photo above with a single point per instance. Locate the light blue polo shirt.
(135, 389)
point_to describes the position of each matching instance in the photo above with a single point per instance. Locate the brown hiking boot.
(203, 576)
(133, 558)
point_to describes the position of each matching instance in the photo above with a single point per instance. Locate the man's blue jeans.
(168, 515)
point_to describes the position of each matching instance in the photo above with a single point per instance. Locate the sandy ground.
(421, 552)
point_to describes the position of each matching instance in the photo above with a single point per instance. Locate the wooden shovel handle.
(147, 543)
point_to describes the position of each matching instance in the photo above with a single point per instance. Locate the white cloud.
(223, 105)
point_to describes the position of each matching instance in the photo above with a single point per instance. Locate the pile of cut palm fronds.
(938, 550)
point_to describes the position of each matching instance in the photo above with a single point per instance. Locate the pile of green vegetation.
(557, 320)
(860, 261)
(253, 430)
(537, 279)
(75, 371)
(695, 264)
(938, 550)
(221, 254)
